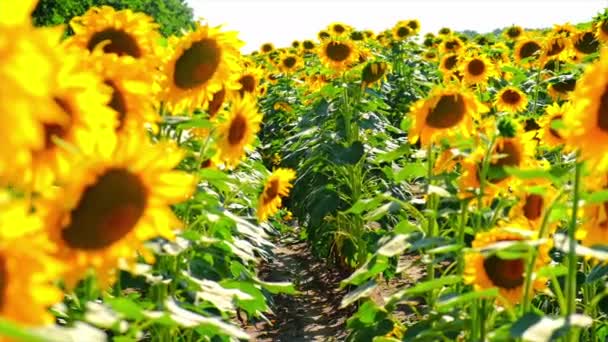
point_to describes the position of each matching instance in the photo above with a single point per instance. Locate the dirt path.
(313, 315)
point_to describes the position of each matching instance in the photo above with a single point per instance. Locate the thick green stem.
(572, 259)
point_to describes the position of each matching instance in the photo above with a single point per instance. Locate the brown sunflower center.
(602, 111)
(450, 62)
(506, 274)
(533, 206)
(289, 62)
(452, 44)
(271, 191)
(266, 48)
(339, 28)
(529, 49)
(448, 112)
(308, 45)
(118, 103)
(197, 64)
(337, 51)
(507, 155)
(356, 35)
(513, 32)
(247, 84)
(587, 43)
(120, 42)
(413, 24)
(216, 102)
(373, 72)
(564, 86)
(323, 35)
(556, 46)
(510, 96)
(403, 31)
(108, 210)
(552, 130)
(476, 67)
(237, 130)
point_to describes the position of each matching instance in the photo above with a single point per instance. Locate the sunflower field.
(459, 182)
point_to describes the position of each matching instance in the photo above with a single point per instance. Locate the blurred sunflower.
(414, 25)
(277, 185)
(430, 56)
(323, 35)
(533, 198)
(401, 30)
(585, 43)
(488, 270)
(561, 88)
(450, 44)
(217, 102)
(593, 231)
(124, 32)
(373, 72)
(238, 131)
(266, 48)
(449, 65)
(26, 269)
(587, 120)
(357, 36)
(339, 29)
(338, 54)
(510, 100)
(601, 29)
(113, 205)
(557, 47)
(295, 44)
(444, 31)
(513, 32)
(476, 69)
(446, 112)
(548, 135)
(527, 51)
(289, 63)
(308, 45)
(249, 80)
(203, 61)
(563, 30)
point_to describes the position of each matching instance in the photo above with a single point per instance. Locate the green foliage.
(172, 15)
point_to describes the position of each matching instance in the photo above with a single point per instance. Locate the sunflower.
(266, 48)
(563, 30)
(448, 111)
(528, 51)
(414, 25)
(357, 36)
(585, 43)
(561, 88)
(249, 80)
(88, 126)
(277, 186)
(131, 92)
(308, 45)
(29, 63)
(26, 269)
(339, 29)
(557, 47)
(401, 30)
(444, 31)
(601, 30)
(476, 69)
(510, 100)
(289, 63)
(217, 103)
(238, 131)
(513, 32)
(549, 135)
(373, 72)
(338, 54)
(430, 56)
(124, 32)
(533, 198)
(450, 44)
(203, 61)
(594, 229)
(449, 64)
(488, 270)
(113, 204)
(323, 35)
(587, 120)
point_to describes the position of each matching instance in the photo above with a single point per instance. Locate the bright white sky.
(282, 21)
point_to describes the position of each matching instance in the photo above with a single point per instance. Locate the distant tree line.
(171, 15)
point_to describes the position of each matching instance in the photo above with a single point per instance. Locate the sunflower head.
(449, 63)
(528, 51)
(203, 61)
(485, 268)
(238, 131)
(296, 44)
(447, 112)
(451, 44)
(401, 30)
(430, 55)
(554, 114)
(373, 72)
(511, 100)
(476, 69)
(585, 43)
(308, 45)
(266, 48)
(338, 54)
(323, 35)
(513, 32)
(277, 185)
(561, 88)
(249, 80)
(339, 29)
(289, 63)
(444, 31)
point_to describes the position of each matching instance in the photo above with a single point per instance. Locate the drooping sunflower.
(217, 103)
(564, 30)
(132, 94)
(203, 61)
(373, 72)
(549, 135)
(449, 65)
(446, 112)
(338, 54)
(528, 51)
(557, 47)
(587, 120)
(289, 63)
(477, 69)
(238, 131)
(488, 270)
(88, 127)
(510, 100)
(26, 268)
(277, 185)
(585, 43)
(561, 88)
(124, 32)
(114, 204)
(534, 196)
(513, 32)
